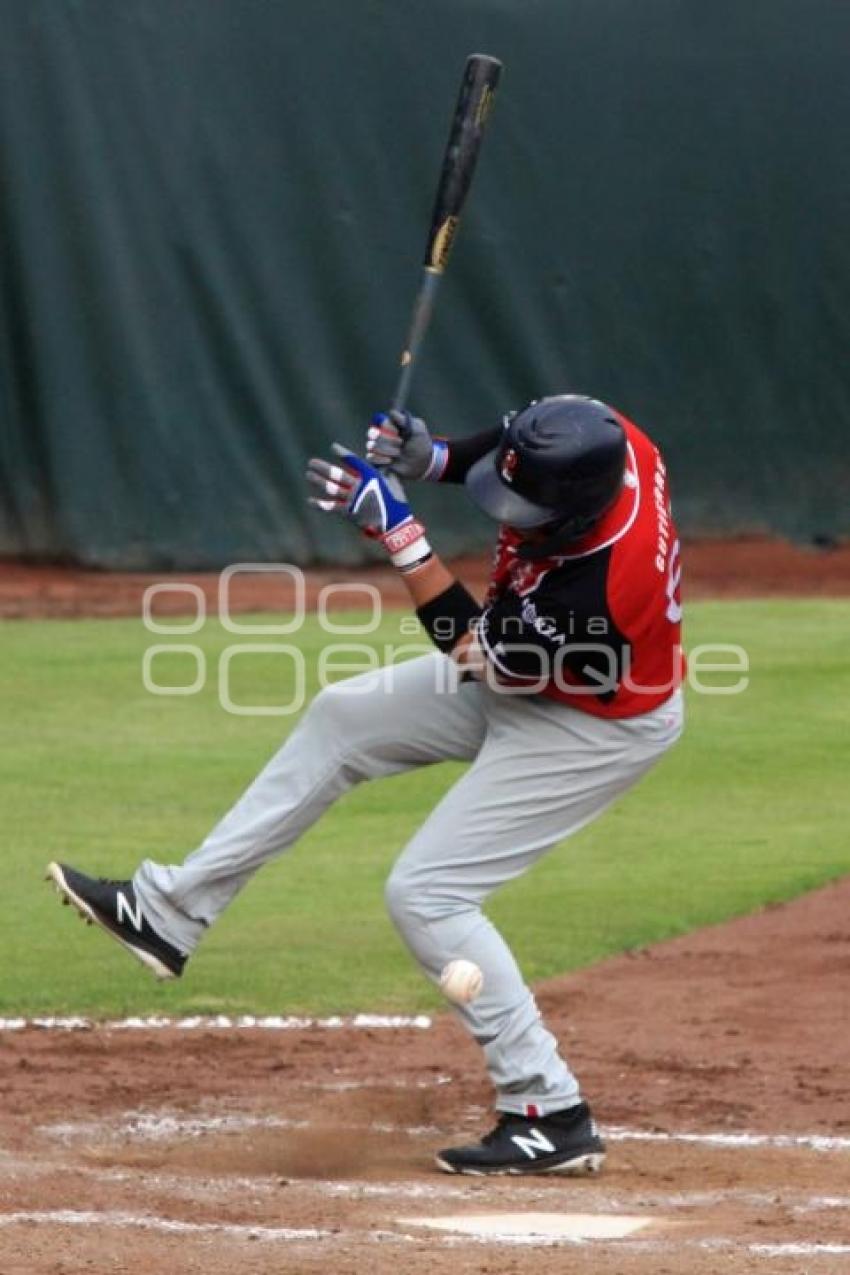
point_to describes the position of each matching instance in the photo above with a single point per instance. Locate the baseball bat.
(477, 89)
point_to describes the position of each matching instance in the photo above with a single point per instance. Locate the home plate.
(565, 1226)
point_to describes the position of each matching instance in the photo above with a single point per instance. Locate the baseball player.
(561, 689)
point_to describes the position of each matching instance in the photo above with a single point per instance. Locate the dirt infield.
(717, 1064)
(744, 567)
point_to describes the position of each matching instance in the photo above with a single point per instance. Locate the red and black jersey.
(598, 626)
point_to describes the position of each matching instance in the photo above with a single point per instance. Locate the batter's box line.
(147, 1125)
(739, 1139)
(221, 1022)
(172, 1226)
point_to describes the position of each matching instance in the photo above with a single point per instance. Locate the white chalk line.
(817, 1203)
(145, 1126)
(357, 1086)
(151, 1126)
(781, 1248)
(743, 1139)
(148, 1222)
(222, 1022)
(797, 1249)
(722, 1244)
(160, 1126)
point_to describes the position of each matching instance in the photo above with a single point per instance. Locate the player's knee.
(412, 898)
(401, 898)
(331, 710)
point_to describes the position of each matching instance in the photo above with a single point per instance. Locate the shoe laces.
(112, 881)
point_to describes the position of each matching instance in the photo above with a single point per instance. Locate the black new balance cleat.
(564, 1142)
(114, 907)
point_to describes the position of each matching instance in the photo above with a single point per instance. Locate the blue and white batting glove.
(403, 444)
(374, 502)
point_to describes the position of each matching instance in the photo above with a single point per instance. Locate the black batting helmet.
(558, 467)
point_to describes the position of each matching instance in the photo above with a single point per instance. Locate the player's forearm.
(428, 581)
(445, 608)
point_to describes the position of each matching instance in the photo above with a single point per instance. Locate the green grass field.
(749, 808)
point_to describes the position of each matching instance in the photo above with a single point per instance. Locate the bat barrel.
(475, 99)
(478, 85)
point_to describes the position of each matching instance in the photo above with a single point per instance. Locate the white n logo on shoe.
(123, 907)
(532, 1143)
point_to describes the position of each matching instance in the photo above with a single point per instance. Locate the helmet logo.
(510, 460)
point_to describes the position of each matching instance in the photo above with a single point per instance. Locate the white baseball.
(461, 981)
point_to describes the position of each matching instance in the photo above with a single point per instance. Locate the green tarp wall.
(212, 214)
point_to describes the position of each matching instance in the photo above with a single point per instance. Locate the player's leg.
(380, 723)
(543, 772)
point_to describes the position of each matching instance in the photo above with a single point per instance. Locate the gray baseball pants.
(540, 771)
